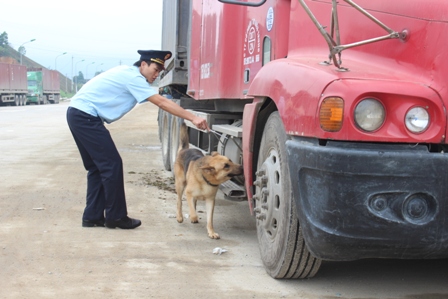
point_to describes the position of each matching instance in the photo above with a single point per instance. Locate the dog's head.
(219, 169)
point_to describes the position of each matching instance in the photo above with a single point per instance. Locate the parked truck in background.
(13, 84)
(338, 112)
(43, 86)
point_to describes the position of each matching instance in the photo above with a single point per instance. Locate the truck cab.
(43, 86)
(35, 88)
(337, 110)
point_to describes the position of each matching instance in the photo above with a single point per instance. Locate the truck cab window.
(266, 50)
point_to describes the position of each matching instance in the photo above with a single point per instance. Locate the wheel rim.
(270, 195)
(166, 143)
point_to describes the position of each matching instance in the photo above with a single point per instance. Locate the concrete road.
(45, 253)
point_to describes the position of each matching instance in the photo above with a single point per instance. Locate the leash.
(219, 135)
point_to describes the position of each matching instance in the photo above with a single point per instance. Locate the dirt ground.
(45, 253)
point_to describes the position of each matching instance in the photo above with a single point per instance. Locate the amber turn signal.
(331, 114)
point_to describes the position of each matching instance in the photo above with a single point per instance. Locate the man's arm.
(173, 108)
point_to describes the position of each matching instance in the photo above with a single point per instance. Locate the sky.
(102, 33)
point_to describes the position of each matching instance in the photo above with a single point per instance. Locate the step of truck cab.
(233, 191)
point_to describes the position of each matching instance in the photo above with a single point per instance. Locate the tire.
(160, 116)
(16, 100)
(282, 246)
(166, 140)
(174, 139)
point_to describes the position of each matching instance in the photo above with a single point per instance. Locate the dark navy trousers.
(105, 184)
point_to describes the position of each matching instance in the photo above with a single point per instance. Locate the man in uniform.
(106, 98)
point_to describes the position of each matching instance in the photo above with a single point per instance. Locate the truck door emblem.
(252, 43)
(270, 19)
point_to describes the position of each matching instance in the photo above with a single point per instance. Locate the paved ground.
(45, 253)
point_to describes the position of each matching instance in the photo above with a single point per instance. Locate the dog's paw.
(194, 219)
(180, 219)
(213, 235)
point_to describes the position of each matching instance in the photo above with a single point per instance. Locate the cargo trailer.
(13, 84)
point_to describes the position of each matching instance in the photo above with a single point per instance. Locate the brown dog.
(199, 177)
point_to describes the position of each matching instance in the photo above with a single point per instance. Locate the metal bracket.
(333, 38)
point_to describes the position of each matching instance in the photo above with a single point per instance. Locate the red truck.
(337, 110)
(13, 84)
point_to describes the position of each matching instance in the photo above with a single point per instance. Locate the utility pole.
(71, 89)
(21, 50)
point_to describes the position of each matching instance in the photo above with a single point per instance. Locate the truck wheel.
(175, 142)
(159, 122)
(282, 246)
(166, 142)
(17, 101)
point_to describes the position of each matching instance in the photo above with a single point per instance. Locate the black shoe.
(124, 223)
(92, 223)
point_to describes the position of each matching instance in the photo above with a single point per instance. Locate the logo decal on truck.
(205, 70)
(270, 19)
(252, 43)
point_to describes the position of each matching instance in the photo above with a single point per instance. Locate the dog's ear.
(208, 169)
(213, 154)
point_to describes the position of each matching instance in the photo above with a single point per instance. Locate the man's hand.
(200, 123)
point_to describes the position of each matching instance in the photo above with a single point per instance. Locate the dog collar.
(208, 183)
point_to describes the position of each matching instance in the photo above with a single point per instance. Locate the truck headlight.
(417, 120)
(369, 114)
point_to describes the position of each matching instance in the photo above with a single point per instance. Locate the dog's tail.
(184, 139)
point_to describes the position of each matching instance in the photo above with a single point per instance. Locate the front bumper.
(359, 200)
(32, 99)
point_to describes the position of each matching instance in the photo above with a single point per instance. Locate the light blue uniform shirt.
(113, 93)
